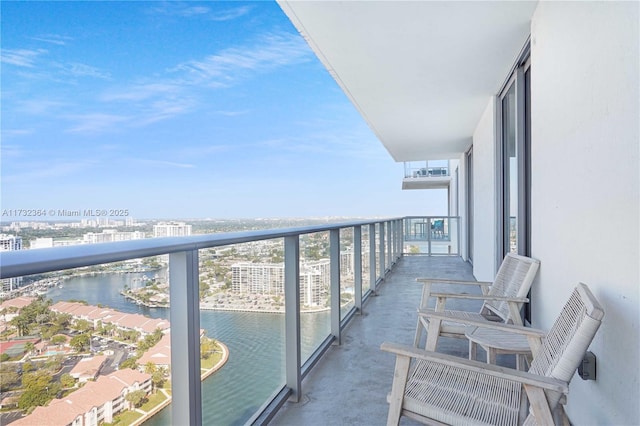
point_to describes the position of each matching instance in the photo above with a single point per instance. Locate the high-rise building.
(268, 278)
(111, 235)
(171, 229)
(10, 243)
(257, 278)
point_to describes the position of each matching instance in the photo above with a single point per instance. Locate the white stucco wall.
(484, 196)
(585, 185)
(462, 205)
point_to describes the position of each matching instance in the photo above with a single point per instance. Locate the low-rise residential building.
(88, 368)
(92, 404)
(122, 321)
(159, 354)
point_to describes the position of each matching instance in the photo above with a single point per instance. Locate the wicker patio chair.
(502, 300)
(434, 387)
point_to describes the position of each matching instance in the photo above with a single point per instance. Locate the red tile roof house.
(159, 354)
(92, 404)
(18, 303)
(88, 368)
(121, 320)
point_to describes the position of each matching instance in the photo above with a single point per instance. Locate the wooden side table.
(496, 342)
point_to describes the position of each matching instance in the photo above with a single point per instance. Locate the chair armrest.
(480, 297)
(478, 367)
(445, 281)
(517, 329)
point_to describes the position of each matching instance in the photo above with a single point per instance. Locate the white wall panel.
(585, 184)
(484, 197)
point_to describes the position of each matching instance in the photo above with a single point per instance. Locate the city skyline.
(183, 110)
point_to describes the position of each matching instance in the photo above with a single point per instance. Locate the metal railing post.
(185, 338)
(429, 235)
(400, 238)
(382, 248)
(334, 256)
(293, 358)
(357, 266)
(458, 251)
(390, 260)
(373, 278)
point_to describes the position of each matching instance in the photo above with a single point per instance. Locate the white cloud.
(53, 39)
(96, 122)
(229, 14)
(143, 91)
(39, 172)
(163, 163)
(230, 65)
(185, 10)
(39, 106)
(21, 57)
(83, 70)
(6, 133)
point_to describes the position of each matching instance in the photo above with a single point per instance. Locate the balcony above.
(426, 175)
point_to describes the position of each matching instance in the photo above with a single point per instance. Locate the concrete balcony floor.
(349, 385)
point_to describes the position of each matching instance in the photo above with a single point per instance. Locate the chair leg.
(560, 416)
(418, 337)
(491, 356)
(433, 332)
(473, 350)
(396, 398)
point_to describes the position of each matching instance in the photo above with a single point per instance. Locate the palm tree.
(29, 347)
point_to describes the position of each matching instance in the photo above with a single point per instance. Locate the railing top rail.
(27, 262)
(431, 217)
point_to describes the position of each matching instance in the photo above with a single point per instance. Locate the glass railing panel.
(424, 169)
(377, 240)
(241, 312)
(71, 330)
(432, 235)
(242, 315)
(315, 292)
(347, 272)
(365, 256)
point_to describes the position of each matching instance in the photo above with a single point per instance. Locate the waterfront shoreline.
(203, 376)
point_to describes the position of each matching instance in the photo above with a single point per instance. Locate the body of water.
(255, 369)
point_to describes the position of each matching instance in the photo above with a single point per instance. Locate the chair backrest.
(514, 279)
(567, 341)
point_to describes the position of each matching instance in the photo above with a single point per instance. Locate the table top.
(498, 339)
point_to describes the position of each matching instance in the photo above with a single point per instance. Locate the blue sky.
(183, 110)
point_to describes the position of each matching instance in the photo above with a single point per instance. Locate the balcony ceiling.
(420, 72)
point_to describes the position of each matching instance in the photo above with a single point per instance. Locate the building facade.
(171, 229)
(539, 104)
(10, 243)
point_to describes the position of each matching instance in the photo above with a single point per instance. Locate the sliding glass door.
(515, 177)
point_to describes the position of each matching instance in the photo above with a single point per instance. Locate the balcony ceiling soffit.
(420, 73)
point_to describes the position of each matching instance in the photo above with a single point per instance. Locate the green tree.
(207, 347)
(39, 388)
(158, 378)
(136, 398)
(62, 320)
(204, 289)
(150, 368)
(129, 363)
(80, 342)
(22, 323)
(8, 376)
(29, 347)
(67, 381)
(59, 339)
(83, 325)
